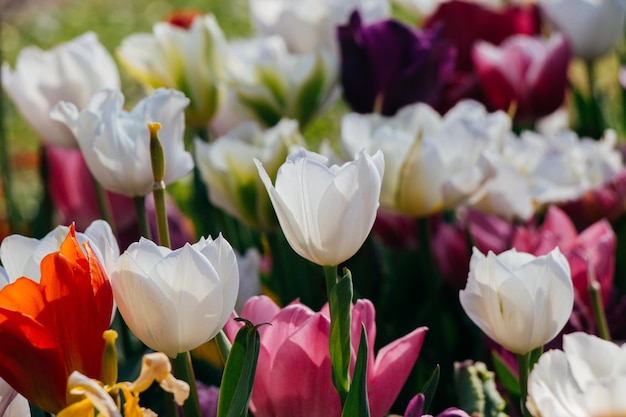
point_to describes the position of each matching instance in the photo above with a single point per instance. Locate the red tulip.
(293, 376)
(54, 327)
(527, 72)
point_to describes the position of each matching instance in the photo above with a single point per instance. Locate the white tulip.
(227, 168)
(12, 404)
(71, 71)
(520, 301)
(116, 143)
(585, 379)
(307, 25)
(174, 301)
(431, 162)
(269, 83)
(326, 213)
(592, 26)
(21, 255)
(189, 60)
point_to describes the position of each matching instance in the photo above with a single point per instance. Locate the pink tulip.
(293, 376)
(525, 71)
(592, 251)
(451, 242)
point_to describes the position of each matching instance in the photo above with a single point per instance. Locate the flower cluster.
(414, 206)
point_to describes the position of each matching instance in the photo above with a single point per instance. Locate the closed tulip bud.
(593, 27)
(227, 168)
(174, 301)
(520, 301)
(326, 213)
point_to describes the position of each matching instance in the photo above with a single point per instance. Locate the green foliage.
(476, 388)
(357, 403)
(340, 322)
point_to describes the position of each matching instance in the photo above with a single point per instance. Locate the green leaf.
(357, 403)
(309, 97)
(340, 304)
(239, 372)
(505, 374)
(429, 388)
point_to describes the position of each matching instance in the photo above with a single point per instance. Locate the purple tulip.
(416, 408)
(387, 65)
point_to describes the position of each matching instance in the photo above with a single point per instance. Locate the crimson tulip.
(293, 376)
(52, 328)
(526, 72)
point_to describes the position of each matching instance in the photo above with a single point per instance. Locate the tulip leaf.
(505, 374)
(239, 372)
(357, 403)
(340, 303)
(429, 388)
(266, 112)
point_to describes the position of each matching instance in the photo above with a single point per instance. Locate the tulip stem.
(597, 124)
(158, 190)
(331, 279)
(598, 309)
(103, 204)
(142, 218)
(183, 370)
(523, 364)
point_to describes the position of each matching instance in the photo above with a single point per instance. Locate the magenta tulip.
(293, 376)
(592, 250)
(526, 72)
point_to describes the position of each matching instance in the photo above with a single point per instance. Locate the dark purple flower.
(416, 408)
(387, 65)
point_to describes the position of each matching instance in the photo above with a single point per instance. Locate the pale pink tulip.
(293, 376)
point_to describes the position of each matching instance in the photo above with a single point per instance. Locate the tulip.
(416, 407)
(298, 339)
(520, 301)
(325, 213)
(22, 256)
(190, 60)
(73, 193)
(71, 71)
(269, 83)
(586, 378)
(227, 168)
(116, 143)
(387, 65)
(590, 252)
(310, 25)
(525, 73)
(55, 327)
(451, 247)
(174, 301)
(12, 404)
(432, 162)
(592, 27)
(463, 23)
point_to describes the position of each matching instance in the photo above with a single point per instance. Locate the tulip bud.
(520, 301)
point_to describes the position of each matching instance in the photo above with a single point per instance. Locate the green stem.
(596, 129)
(598, 310)
(523, 364)
(7, 176)
(331, 279)
(103, 204)
(183, 370)
(142, 218)
(158, 190)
